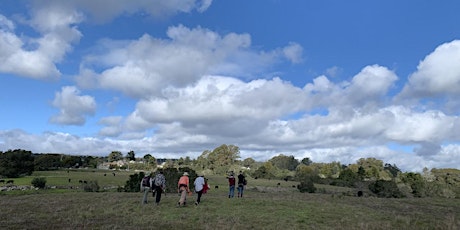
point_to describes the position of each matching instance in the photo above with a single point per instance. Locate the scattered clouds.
(197, 89)
(72, 107)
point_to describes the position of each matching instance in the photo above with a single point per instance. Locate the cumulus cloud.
(220, 105)
(142, 68)
(56, 23)
(37, 57)
(437, 75)
(72, 107)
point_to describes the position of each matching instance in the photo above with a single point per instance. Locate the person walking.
(159, 186)
(241, 184)
(231, 185)
(146, 184)
(199, 187)
(183, 189)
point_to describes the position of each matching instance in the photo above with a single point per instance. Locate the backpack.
(158, 180)
(146, 181)
(245, 182)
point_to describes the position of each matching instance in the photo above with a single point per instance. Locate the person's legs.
(183, 196)
(198, 199)
(158, 197)
(240, 191)
(146, 192)
(232, 191)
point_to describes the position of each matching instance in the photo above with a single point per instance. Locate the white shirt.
(199, 183)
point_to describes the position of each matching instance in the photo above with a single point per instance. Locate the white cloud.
(293, 52)
(105, 10)
(437, 75)
(72, 107)
(142, 68)
(217, 102)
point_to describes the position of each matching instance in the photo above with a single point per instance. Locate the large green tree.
(115, 156)
(16, 163)
(220, 159)
(285, 162)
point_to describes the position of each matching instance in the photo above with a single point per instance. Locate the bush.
(39, 182)
(385, 189)
(91, 186)
(132, 185)
(306, 186)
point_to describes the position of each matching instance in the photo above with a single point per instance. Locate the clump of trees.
(16, 163)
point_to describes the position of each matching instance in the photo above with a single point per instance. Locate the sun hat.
(185, 174)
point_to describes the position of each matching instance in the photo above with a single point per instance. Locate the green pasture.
(256, 210)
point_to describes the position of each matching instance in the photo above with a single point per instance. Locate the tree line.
(370, 175)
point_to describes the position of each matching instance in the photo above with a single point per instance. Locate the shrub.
(386, 189)
(307, 186)
(39, 182)
(132, 185)
(91, 186)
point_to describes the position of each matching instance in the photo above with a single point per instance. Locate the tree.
(131, 156)
(16, 163)
(372, 167)
(285, 162)
(150, 160)
(266, 171)
(386, 189)
(346, 178)
(392, 169)
(115, 156)
(416, 183)
(248, 162)
(220, 159)
(306, 161)
(44, 162)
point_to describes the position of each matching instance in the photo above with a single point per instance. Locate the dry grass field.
(263, 207)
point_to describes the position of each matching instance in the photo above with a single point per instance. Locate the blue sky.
(328, 80)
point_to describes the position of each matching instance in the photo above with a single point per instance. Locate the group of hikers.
(157, 184)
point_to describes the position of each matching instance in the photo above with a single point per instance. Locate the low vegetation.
(61, 192)
(267, 204)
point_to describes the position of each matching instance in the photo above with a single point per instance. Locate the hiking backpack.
(146, 181)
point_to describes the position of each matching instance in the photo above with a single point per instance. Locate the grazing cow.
(113, 174)
(10, 182)
(2, 181)
(278, 184)
(80, 181)
(216, 187)
(70, 180)
(360, 193)
(293, 186)
(286, 179)
(105, 174)
(85, 182)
